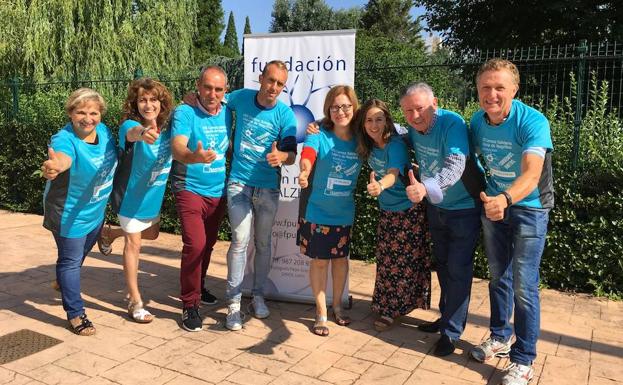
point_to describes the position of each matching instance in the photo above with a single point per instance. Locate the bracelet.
(509, 198)
(381, 185)
(145, 129)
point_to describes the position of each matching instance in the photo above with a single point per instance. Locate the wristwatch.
(509, 199)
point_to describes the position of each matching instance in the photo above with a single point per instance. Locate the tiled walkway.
(581, 338)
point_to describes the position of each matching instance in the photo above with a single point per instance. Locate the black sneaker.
(430, 327)
(207, 298)
(191, 320)
(444, 347)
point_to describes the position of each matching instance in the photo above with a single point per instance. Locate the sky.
(259, 12)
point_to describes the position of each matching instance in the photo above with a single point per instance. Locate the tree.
(230, 43)
(515, 23)
(93, 39)
(311, 15)
(247, 31)
(247, 26)
(391, 18)
(347, 18)
(282, 15)
(207, 40)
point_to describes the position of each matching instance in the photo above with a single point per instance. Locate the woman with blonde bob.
(82, 157)
(140, 181)
(329, 170)
(403, 280)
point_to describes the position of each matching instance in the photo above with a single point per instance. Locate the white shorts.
(134, 225)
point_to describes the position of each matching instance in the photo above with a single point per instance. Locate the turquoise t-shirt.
(394, 155)
(74, 203)
(329, 198)
(214, 132)
(448, 136)
(257, 128)
(142, 174)
(502, 149)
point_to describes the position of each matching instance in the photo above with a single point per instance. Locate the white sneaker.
(233, 321)
(517, 374)
(259, 307)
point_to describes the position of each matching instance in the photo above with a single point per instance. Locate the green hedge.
(583, 252)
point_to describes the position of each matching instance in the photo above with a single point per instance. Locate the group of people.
(444, 198)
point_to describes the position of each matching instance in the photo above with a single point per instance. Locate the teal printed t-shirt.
(447, 137)
(393, 155)
(214, 132)
(502, 149)
(334, 179)
(257, 128)
(74, 202)
(142, 174)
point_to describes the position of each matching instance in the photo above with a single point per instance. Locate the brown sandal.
(84, 328)
(103, 242)
(320, 328)
(383, 323)
(341, 319)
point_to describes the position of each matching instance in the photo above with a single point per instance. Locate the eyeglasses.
(344, 107)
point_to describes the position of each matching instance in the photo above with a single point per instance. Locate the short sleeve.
(313, 141)
(62, 142)
(534, 131)
(181, 122)
(233, 98)
(397, 154)
(457, 142)
(123, 131)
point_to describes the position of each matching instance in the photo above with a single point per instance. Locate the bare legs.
(131, 253)
(318, 278)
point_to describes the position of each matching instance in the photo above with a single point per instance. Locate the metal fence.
(547, 74)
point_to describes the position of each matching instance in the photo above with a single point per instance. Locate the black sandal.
(84, 328)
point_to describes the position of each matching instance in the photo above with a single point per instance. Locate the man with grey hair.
(448, 174)
(200, 138)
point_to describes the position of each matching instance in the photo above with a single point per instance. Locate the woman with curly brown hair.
(140, 181)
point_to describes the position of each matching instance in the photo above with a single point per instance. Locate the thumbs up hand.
(494, 206)
(375, 188)
(203, 156)
(275, 157)
(53, 166)
(416, 191)
(150, 134)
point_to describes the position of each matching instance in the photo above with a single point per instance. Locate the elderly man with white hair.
(450, 181)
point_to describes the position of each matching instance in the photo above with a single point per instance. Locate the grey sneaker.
(259, 307)
(517, 374)
(490, 348)
(233, 321)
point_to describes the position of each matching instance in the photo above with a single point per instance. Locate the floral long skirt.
(403, 262)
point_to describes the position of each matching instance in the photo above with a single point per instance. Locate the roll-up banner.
(316, 61)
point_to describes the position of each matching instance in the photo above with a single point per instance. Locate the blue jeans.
(71, 254)
(249, 206)
(514, 246)
(455, 234)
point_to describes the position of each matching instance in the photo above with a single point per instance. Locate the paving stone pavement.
(581, 337)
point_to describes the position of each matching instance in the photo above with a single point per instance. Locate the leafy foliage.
(513, 23)
(391, 19)
(73, 39)
(311, 15)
